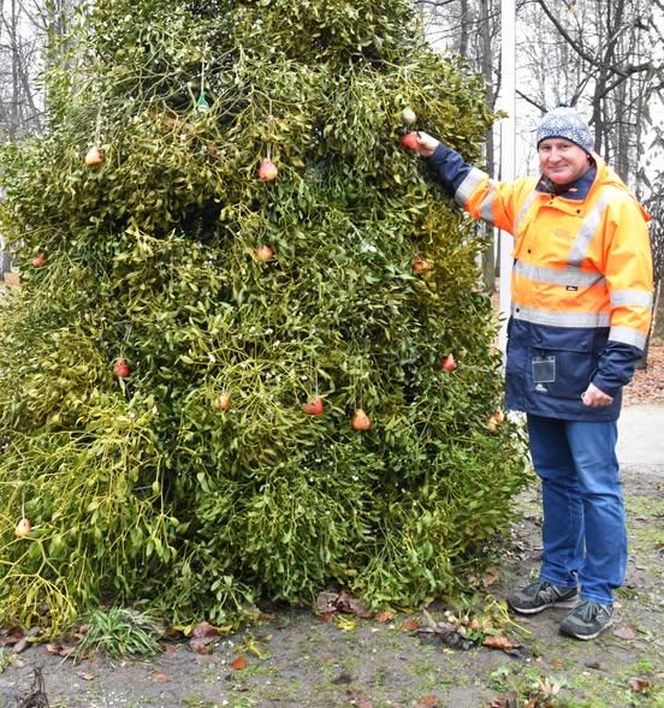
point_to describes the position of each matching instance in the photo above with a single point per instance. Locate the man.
(582, 297)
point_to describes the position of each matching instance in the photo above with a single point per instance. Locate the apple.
(360, 420)
(267, 172)
(264, 253)
(409, 141)
(494, 421)
(408, 116)
(314, 406)
(420, 265)
(448, 363)
(94, 157)
(39, 260)
(121, 368)
(23, 528)
(224, 401)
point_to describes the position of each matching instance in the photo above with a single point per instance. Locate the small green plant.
(6, 658)
(119, 632)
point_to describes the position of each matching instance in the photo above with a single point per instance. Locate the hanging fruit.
(267, 172)
(420, 265)
(408, 116)
(315, 406)
(23, 528)
(448, 363)
(224, 401)
(94, 157)
(121, 368)
(264, 253)
(409, 141)
(39, 260)
(361, 420)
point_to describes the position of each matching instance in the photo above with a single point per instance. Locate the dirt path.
(297, 659)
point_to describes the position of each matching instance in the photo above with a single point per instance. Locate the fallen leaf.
(202, 646)
(625, 631)
(161, 677)
(204, 629)
(500, 642)
(20, 645)
(490, 577)
(384, 616)
(410, 625)
(59, 649)
(509, 700)
(347, 624)
(359, 699)
(239, 663)
(427, 702)
(639, 685)
(326, 601)
(359, 608)
(87, 675)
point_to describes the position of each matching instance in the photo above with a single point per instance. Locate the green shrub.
(140, 488)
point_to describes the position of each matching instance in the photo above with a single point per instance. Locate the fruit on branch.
(264, 253)
(39, 260)
(448, 363)
(315, 406)
(121, 368)
(409, 141)
(224, 401)
(420, 265)
(94, 157)
(267, 172)
(23, 528)
(361, 420)
(408, 116)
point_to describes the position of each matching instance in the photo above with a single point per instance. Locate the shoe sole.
(563, 604)
(585, 637)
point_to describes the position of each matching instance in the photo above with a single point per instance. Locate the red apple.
(264, 253)
(315, 406)
(23, 528)
(94, 157)
(360, 420)
(421, 266)
(121, 368)
(409, 141)
(448, 363)
(39, 260)
(224, 401)
(267, 172)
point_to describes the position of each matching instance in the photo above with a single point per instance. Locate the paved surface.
(641, 436)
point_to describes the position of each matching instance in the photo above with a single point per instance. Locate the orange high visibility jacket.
(581, 283)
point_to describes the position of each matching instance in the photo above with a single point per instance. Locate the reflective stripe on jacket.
(581, 283)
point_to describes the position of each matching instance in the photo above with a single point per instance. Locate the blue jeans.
(584, 535)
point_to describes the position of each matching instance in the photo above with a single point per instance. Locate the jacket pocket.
(562, 364)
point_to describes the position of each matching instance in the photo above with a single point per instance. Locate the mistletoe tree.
(248, 357)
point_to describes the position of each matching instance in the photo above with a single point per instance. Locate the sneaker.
(587, 621)
(542, 594)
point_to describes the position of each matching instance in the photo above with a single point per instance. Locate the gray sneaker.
(587, 621)
(542, 594)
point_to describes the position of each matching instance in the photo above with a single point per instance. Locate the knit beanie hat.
(565, 122)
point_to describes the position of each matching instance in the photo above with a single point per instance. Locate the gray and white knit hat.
(565, 122)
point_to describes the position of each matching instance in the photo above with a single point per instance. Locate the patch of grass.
(119, 632)
(6, 658)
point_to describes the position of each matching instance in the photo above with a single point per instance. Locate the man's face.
(562, 161)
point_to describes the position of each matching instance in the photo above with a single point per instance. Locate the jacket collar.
(577, 190)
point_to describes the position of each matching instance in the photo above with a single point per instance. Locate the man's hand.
(426, 144)
(593, 397)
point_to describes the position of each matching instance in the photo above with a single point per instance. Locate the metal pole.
(507, 103)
